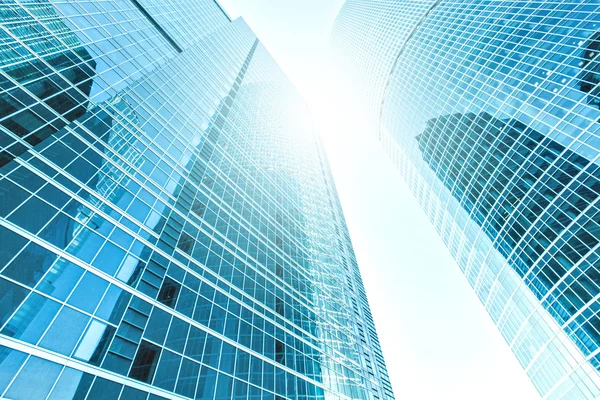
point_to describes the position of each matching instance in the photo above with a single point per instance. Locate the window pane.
(65, 331)
(145, 361)
(166, 374)
(88, 293)
(10, 364)
(11, 297)
(32, 319)
(67, 384)
(36, 379)
(157, 327)
(103, 389)
(188, 376)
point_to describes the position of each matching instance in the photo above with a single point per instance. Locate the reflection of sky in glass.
(498, 97)
(181, 235)
(412, 284)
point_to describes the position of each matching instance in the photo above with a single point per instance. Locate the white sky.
(437, 339)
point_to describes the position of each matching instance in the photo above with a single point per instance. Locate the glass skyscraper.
(491, 110)
(169, 226)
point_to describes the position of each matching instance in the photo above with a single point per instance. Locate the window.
(186, 243)
(144, 364)
(168, 292)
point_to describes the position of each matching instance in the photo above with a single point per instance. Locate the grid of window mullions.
(257, 206)
(130, 177)
(507, 76)
(149, 300)
(116, 50)
(267, 192)
(92, 207)
(48, 109)
(108, 20)
(551, 39)
(575, 267)
(528, 194)
(577, 219)
(80, 366)
(573, 223)
(134, 178)
(227, 155)
(221, 290)
(116, 161)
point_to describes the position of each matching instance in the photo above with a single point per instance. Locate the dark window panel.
(144, 364)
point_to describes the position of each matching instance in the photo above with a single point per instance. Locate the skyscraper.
(169, 226)
(490, 110)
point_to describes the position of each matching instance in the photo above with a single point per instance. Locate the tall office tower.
(169, 227)
(491, 111)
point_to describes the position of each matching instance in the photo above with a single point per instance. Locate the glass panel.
(206, 383)
(11, 296)
(11, 242)
(157, 327)
(36, 379)
(32, 319)
(65, 331)
(168, 367)
(60, 280)
(144, 364)
(67, 384)
(103, 389)
(88, 293)
(177, 335)
(130, 393)
(224, 387)
(169, 292)
(30, 265)
(89, 343)
(188, 377)
(10, 362)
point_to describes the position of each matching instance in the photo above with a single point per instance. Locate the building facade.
(169, 226)
(490, 109)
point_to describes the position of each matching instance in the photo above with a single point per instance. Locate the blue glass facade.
(169, 226)
(490, 110)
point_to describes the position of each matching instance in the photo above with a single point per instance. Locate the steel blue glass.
(169, 227)
(491, 111)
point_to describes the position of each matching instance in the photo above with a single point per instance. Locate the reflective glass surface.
(169, 226)
(490, 110)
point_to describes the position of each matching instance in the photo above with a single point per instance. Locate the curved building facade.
(491, 111)
(169, 227)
